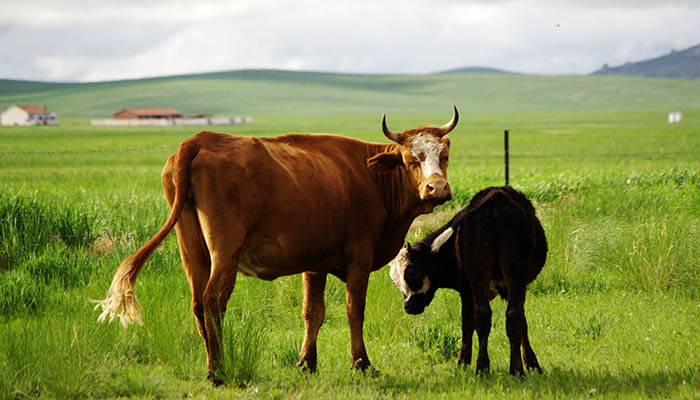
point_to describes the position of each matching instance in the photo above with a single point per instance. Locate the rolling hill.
(315, 94)
(476, 70)
(678, 64)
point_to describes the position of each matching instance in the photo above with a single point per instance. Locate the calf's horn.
(448, 127)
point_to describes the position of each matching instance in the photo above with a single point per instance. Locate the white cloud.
(85, 40)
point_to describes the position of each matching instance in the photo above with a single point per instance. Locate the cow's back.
(297, 198)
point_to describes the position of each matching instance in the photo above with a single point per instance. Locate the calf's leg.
(313, 312)
(528, 354)
(482, 316)
(465, 353)
(515, 321)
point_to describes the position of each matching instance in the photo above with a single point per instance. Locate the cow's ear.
(385, 162)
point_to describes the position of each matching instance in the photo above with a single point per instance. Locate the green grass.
(615, 313)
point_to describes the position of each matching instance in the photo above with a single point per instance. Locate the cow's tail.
(120, 295)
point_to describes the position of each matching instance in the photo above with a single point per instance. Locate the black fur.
(497, 237)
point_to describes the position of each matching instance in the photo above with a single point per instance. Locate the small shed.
(675, 117)
(26, 115)
(147, 113)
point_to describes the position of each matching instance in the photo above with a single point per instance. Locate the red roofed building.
(147, 113)
(24, 115)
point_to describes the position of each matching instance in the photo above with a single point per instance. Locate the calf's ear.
(385, 162)
(441, 239)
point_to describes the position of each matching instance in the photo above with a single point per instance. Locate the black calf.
(496, 245)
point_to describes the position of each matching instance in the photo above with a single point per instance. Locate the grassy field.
(261, 93)
(614, 314)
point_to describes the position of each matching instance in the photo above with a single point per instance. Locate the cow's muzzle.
(437, 190)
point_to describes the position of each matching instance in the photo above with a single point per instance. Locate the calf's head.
(413, 271)
(424, 153)
(410, 273)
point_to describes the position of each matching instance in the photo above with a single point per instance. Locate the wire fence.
(512, 132)
(117, 150)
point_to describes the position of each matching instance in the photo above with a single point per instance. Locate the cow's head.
(424, 153)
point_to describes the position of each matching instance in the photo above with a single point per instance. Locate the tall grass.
(43, 247)
(242, 347)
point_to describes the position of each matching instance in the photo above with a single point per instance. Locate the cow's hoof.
(366, 367)
(214, 379)
(307, 367)
(368, 370)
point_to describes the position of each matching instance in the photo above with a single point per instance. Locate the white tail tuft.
(130, 309)
(120, 296)
(440, 240)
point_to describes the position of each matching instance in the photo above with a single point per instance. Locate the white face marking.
(429, 146)
(441, 239)
(398, 273)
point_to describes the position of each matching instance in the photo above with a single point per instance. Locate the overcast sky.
(97, 40)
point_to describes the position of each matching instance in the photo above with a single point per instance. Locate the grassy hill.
(677, 64)
(314, 94)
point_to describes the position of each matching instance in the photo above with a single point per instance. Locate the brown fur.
(268, 207)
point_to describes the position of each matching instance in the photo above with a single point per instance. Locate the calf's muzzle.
(415, 304)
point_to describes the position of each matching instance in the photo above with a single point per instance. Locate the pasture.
(615, 312)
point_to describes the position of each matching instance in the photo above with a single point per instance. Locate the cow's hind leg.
(216, 296)
(193, 249)
(195, 262)
(314, 309)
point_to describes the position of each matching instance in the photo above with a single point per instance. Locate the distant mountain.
(476, 70)
(678, 64)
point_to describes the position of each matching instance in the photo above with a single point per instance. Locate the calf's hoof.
(463, 361)
(535, 368)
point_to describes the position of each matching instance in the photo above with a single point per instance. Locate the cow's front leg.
(355, 296)
(465, 353)
(314, 309)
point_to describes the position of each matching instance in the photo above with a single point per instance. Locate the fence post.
(505, 139)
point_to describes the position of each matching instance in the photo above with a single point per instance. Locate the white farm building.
(27, 116)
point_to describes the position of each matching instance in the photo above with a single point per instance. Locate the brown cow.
(495, 245)
(268, 207)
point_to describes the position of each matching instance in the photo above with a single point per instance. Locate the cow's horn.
(448, 127)
(393, 136)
